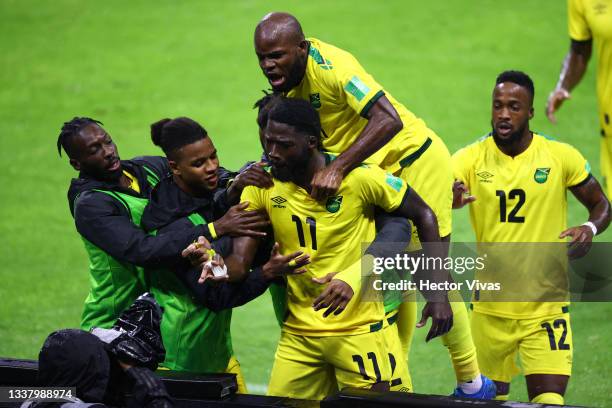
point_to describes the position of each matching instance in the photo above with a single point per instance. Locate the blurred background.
(129, 64)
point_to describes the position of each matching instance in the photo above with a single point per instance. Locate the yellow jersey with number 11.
(332, 233)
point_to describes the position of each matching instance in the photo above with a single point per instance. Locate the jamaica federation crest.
(333, 204)
(541, 174)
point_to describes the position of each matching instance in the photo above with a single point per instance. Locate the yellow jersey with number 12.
(332, 233)
(522, 199)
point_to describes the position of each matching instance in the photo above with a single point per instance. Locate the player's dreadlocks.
(71, 129)
(172, 134)
(263, 105)
(517, 77)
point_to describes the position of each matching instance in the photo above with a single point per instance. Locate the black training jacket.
(105, 222)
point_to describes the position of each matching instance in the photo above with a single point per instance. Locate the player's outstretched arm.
(574, 66)
(593, 198)
(438, 308)
(383, 123)
(217, 295)
(241, 259)
(237, 221)
(103, 221)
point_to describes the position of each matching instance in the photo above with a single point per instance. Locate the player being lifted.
(349, 343)
(363, 123)
(523, 199)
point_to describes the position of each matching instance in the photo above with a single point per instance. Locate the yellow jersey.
(521, 199)
(332, 233)
(592, 19)
(343, 92)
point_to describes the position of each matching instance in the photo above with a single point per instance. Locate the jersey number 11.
(312, 223)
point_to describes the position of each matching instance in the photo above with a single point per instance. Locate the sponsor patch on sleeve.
(395, 182)
(357, 88)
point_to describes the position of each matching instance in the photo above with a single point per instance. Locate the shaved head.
(279, 25)
(282, 50)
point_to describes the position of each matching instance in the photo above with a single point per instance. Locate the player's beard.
(510, 140)
(295, 75)
(292, 168)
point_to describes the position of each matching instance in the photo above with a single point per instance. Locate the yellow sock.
(549, 398)
(501, 397)
(459, 342)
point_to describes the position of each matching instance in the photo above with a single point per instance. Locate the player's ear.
(75, 164)
(313, 143)
(174, 168)
(531, 112)
(303, 47)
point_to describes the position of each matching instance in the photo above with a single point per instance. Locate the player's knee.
(548, 398)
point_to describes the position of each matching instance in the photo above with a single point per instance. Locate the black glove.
(138, 338)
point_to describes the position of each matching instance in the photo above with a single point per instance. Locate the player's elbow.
(394, 125)
(237, 272)
(606, 212)
(427, 224)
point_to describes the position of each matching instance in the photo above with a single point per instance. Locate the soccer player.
(589, 21)
(107, 202)
(519, 179)
(350, 343)
(361, 122)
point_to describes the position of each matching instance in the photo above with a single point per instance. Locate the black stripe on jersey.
(411, 158)
(374, 327)
(371, 102)
(583, 182)
(405, 197)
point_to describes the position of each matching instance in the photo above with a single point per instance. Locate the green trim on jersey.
(411, 158)
(318, 58)
(278, 292)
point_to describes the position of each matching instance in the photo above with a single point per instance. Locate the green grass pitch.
(129, 64)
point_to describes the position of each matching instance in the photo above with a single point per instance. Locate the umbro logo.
(278, 202)
(600, 8)
(485, 176)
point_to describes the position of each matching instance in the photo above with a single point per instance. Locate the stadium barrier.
(219, 390)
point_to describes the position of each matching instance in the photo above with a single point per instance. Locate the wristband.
(591, 226)
(211, 229)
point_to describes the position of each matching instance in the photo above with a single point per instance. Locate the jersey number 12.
(517, 193)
